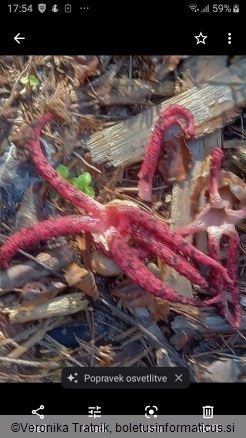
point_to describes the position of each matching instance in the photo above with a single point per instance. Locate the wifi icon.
(194, 8)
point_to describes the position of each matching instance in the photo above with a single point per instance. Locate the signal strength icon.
(206, 9)
(194, 8)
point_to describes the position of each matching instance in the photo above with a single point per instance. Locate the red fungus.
(117, 223)
(172, 116)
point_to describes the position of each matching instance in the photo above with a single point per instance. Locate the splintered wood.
(213, 103)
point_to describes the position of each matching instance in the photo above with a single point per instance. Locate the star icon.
(200, 39)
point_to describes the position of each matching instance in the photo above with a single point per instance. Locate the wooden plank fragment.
(213, 103)
(181, 205)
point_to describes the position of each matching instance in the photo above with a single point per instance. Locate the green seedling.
(63, 171)
(82, 182)
(31, 80)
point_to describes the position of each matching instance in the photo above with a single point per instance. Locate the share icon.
(35, 412)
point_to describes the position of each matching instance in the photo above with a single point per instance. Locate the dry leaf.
(159, 309)
(81, 243)
(137, 297)
(84, 68)
(170, 62)
(82, 279)
(88, 286)
(89, 124)
(160, 66)
(74, 274)
(21, 136)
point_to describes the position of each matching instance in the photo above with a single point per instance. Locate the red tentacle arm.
(136, 270)
(217, 281)
(218, 288)
(45, 230)
(140, 252)
(171, 238)
(167, 119)
(214, 196)
(232, 266)
(196, 225)
(171, 258)
(143, 253)
(63, 187)
(184, 116)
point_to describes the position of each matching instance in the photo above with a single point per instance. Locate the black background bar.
(21, 399)
(127, 27)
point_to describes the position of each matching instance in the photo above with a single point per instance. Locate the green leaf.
(89, 191)
(24, 80)
(74, 182)
(63, 171)
(77, 183)
(85, 179)
(34, 82)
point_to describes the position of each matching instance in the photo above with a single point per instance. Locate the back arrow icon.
(18, 37)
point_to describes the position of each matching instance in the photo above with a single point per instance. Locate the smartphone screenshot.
(123, 218)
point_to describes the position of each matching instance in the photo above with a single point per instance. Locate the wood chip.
(60, 306)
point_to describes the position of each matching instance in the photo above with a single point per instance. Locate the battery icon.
(235, 8)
